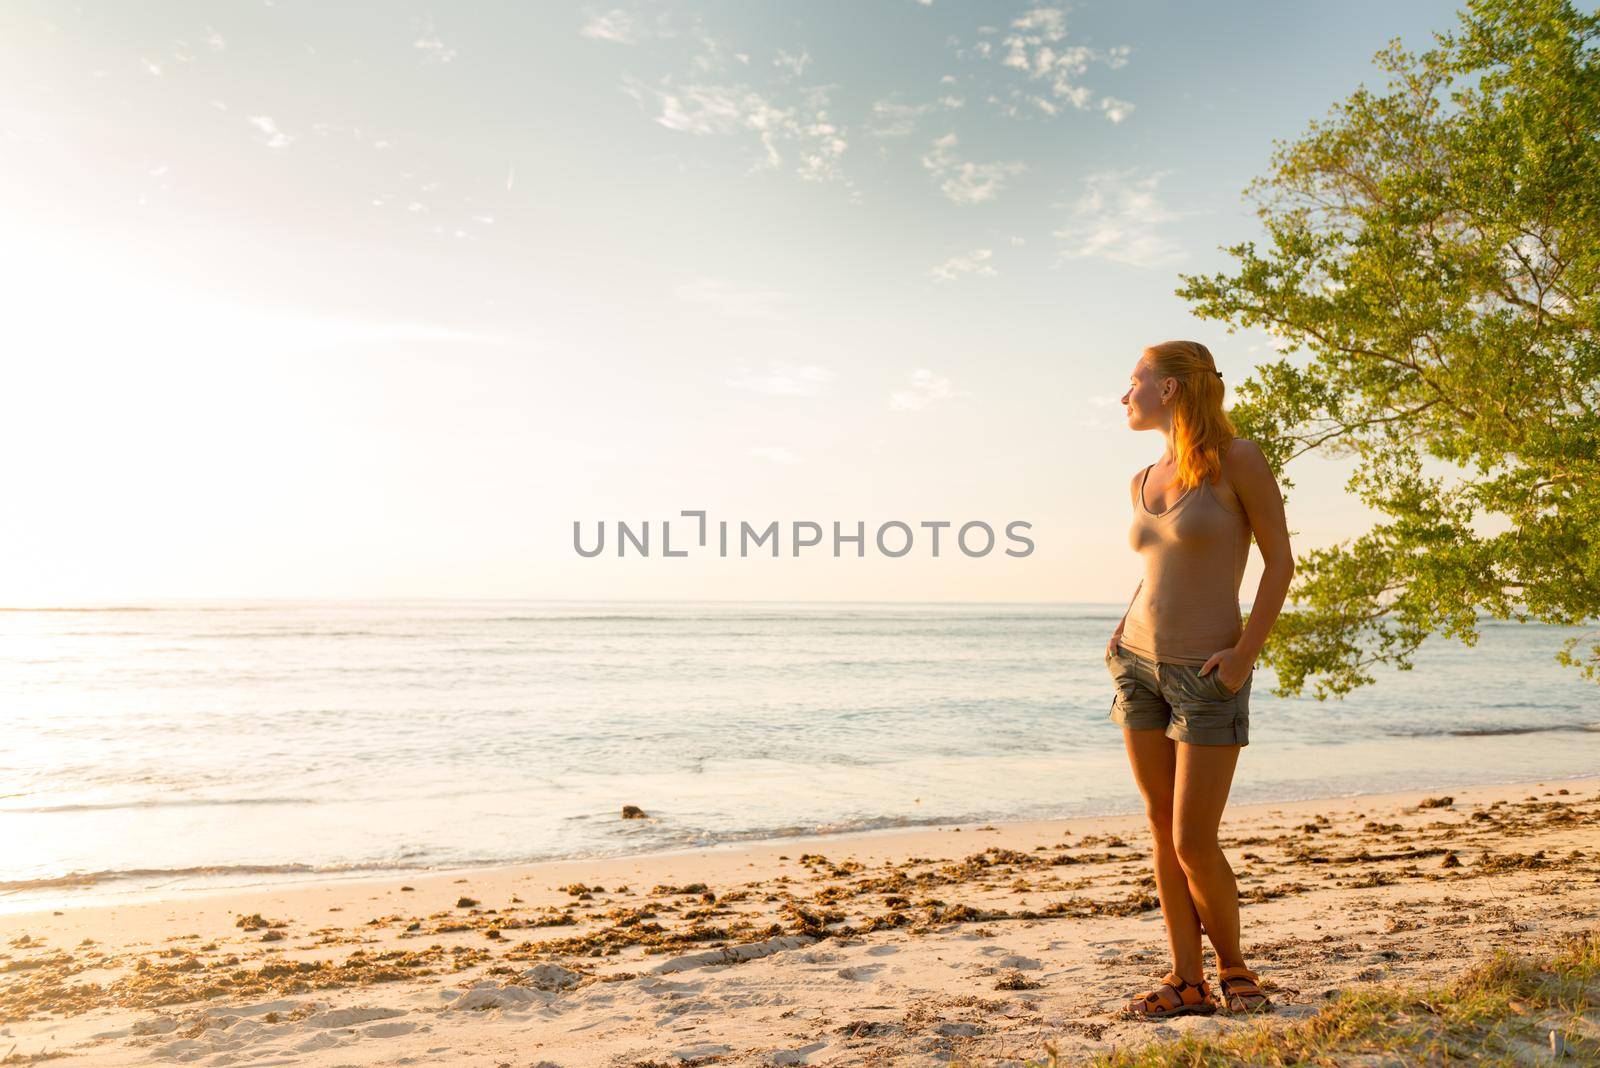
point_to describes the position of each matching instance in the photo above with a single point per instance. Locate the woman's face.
(1142, 401)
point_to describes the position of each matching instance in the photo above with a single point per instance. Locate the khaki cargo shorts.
(1176, 698)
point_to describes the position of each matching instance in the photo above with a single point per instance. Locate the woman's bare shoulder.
(1243, 445)
(1133, 484)
(1246, 465)
(1242, 452)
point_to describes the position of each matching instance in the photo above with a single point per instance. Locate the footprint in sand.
(350, 1017)
(261, 1008)
(489, 994)
(704, 1049)
(959, 1029)
(157, 1025)
(1111, 952)
(667, 988)
(393, 1029)
(800, 1055)
(317, 1042)
(1026, 964)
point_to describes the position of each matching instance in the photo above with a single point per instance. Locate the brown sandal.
(1241, 990)
(1173, 997)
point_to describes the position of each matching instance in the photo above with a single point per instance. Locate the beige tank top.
(1194, 553)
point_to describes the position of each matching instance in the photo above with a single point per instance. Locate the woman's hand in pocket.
(1231, 668)
(1116, 640)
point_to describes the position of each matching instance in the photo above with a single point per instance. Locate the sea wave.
(684, 838)
(186, 802)
(81, 879)
(1488, 732)
(69, 608)
(938, 615)
(1496, 731)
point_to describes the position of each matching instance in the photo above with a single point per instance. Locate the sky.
(378, 300)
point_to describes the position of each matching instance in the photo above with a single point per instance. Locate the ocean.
(164, 747)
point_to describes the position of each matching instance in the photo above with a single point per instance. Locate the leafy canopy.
(1433, 268)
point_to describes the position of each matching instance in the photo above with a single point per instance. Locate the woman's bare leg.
(1154, 759)
(1204, 774)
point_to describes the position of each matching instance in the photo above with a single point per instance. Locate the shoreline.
(895, 945)
(89, 896)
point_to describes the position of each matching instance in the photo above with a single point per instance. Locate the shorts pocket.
(1206, 688)
(1121, 672)
(1221, 687)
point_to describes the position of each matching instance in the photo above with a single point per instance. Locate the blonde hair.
(1200, 427)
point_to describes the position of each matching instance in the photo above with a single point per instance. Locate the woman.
(1183, 663)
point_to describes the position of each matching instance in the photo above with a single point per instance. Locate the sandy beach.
(983, 942)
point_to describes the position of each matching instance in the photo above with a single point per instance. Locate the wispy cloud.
(963, 181)
(891, 117)
(272, 137)
(1052, 68)
(724, 94)
(616, 26)
(428, 43)
(1116, 110)
(974, 262)
(1104, 412)
(927, 389)
(715, 55)
(1119, 217)
(814, 142)
(784, 379)
(794, 63)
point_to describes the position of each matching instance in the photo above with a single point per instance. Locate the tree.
(1433, 266)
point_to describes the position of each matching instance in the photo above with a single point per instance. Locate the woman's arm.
(1258, 491)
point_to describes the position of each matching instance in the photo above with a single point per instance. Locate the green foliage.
(1432, 275)
(1501, 1011)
